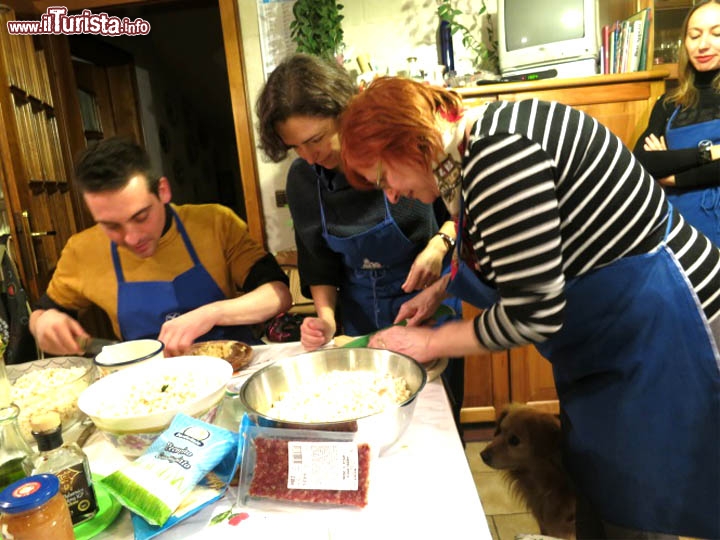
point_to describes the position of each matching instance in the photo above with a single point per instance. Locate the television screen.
(556, 20)
(555, 35)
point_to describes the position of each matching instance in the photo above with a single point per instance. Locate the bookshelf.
(37, 205)
(666, 18)
(625, 43)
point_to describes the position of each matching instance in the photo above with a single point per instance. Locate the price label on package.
(322, 465)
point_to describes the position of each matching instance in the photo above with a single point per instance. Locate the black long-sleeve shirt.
(685, 164)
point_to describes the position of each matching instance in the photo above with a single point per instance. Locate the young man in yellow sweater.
(176, 273)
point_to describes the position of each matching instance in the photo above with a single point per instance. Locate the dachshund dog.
(527, 447)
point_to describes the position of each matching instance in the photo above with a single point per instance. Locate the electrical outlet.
(280, 198)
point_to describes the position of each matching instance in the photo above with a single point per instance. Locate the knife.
(362, 341)
(91, 346)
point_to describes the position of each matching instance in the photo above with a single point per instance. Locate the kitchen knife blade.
(91, 346)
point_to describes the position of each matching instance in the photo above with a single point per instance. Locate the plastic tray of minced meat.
(304, 467)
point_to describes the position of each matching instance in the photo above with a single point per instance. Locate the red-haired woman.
(567, 243)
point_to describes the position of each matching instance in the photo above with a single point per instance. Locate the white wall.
(388, 30)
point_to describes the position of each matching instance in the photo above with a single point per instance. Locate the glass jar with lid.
(34, 508)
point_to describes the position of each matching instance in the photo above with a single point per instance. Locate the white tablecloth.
(420, 488)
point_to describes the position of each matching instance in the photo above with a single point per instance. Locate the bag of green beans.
(154, 485)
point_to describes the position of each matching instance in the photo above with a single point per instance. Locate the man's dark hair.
(111, 163)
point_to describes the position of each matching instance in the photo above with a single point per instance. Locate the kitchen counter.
(422, 487)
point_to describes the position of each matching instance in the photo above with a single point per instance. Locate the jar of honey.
(34, 508)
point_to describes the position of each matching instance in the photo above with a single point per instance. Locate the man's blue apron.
(143, 306)
(644, 461)
(700, 206)
(377, 262)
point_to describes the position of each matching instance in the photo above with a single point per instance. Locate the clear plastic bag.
(299, 466)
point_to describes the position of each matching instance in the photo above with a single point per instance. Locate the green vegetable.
(164, 387)
(362, 341)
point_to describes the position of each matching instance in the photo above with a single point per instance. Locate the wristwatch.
(705, 151)
(449, 242)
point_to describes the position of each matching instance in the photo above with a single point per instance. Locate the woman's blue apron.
(699, 206)
(377, 262)
(637, 373)
(143, 306)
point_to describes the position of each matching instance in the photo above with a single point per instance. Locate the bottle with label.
(34, 508)
(66, 461)
(15, 462)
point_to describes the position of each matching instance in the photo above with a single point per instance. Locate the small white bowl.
(131, 433)
(119, 356)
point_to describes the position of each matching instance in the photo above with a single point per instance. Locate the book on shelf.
(626, 43)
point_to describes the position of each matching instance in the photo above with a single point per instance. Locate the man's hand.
(178, 334)
(56, 332)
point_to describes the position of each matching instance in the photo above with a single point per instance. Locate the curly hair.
(686, 95)
(301, 85)
(394, 120)
(111, 163)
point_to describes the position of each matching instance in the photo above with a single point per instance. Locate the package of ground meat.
(304, 466)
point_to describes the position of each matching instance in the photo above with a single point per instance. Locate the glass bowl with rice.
(50, 384)
(133, 406)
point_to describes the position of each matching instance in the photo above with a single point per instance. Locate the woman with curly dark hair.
(355, 250)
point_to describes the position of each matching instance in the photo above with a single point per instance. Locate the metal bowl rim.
(257, 374)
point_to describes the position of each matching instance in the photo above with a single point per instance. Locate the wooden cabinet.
(667, 39)
(622, 102)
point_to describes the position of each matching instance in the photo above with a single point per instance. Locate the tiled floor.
(505, 515)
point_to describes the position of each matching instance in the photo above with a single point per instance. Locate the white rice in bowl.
(49, 389)
(167, 392)
(340, 395)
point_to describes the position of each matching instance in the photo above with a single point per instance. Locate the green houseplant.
(482, 55)
(317, 27)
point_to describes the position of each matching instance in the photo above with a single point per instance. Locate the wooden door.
(38, 200)
(242, 115)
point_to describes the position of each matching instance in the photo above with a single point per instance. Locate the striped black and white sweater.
(551, 194)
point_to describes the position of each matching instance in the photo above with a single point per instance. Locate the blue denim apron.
(377, 262)
(699, 206)
(143, 306)
(633, 335)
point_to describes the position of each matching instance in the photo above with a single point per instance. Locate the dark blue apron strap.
(185, 237)
(322, 210)
(116, 263)
(387, 208)
(670, 120)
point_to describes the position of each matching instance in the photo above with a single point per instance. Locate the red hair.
(394, 120)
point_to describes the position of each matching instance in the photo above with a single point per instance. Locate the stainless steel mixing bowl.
(380, 430)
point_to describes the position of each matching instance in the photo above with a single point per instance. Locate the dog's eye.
(513, 440)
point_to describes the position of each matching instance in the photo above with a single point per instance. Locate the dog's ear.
(546, 434)
(500, 418)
